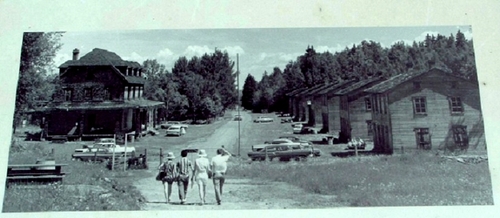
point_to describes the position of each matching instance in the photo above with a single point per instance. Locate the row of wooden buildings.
(423, 110)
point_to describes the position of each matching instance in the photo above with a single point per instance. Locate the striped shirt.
(184, 166)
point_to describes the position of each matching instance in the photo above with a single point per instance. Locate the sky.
(259, 50)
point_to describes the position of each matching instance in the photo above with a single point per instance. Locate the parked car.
(284, 115)
(237, 118)
(167, 124)
(105, 147)
(98, 141)
(297, 128)
(263, 120)
(282, 152)
(286, 120)
(308, 130)
(176, 130)
(295, 139)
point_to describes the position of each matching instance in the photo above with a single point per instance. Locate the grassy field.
(412, 179)
(88, 186)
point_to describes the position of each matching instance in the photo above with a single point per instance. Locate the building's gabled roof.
(394, 81)
(100, 57)
(313, 89)
(363, 84)
(292, 93)
(334, 87)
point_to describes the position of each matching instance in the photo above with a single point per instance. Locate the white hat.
(170, 156)
(202, 153)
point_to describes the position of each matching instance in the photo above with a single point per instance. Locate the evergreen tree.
(248, 92)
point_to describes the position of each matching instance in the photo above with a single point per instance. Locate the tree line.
(453, 54)
(200, 88)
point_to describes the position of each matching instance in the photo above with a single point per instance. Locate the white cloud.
(196, 50)
(166, 53)
(288, 57)
(324, 48)
(422, 36)
(134, 56)
(60, 58)
(233, 50)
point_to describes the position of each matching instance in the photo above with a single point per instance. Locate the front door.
(423, 138)
(460, 136)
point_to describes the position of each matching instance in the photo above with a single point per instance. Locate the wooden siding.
(357, 116)
(436, 88)
(333, 114)
(95, 78)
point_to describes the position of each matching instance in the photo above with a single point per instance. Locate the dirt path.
(238, 193)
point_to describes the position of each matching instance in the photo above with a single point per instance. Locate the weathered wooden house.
(356, 109)
(330, 105)
(426, 110)
(99, 95)
(310, 101)
(294, 103)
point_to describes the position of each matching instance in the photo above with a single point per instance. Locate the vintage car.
(167, 124)
(297, 128)
(108, 147)
(281, 152)
(176, 130)
(237, 118)
(295, 139)
(263, 120)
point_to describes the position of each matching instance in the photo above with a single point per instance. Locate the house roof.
(313, 89)
(394, 81)
(100, 57)
(334, 87)
(292, 93)
(104, 105)
(363, 84)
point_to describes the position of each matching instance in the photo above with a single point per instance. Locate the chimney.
(75, 54)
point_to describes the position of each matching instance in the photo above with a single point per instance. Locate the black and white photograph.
(247, 119)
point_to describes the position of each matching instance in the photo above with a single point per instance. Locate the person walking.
(219, 168)
(201, 174)
(170, 175)
(184, 167)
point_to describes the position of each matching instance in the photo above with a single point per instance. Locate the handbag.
(160, 175)
(210, 174)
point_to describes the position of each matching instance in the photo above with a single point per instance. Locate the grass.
(413, 179)
(87, 186)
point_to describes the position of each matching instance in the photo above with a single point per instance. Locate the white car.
(176, 130)
(106, 146)
(263, 120)
(297, 128)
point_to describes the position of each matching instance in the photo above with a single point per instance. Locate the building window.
(68, 94)
(107, 94)
(460, 136)
(368, 104)
(456, 106)
(423, 138)
(419, 106)
(87, 93)
(369, 127)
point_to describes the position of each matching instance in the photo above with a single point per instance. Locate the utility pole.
(238, 89)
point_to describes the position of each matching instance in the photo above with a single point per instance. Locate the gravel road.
(238, 193)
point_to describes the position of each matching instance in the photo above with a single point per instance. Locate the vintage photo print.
(271, 117)
(231, 119)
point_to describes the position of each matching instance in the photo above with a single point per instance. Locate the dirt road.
(238, 193)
